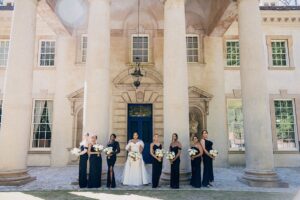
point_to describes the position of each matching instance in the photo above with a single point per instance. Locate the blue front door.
(140, 120)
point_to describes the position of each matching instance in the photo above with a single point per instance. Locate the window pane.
(233, 53)
(42, 124)
(279, 53)
(47, 53)
(192, 48)
(235, 124)
(285, 124)
(4, 47)
(140, 48)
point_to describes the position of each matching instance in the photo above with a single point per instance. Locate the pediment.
(195, 92)
(78, 94)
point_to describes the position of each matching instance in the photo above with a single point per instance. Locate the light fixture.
(136, 72)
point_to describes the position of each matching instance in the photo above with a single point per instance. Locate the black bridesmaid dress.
(156, 168)
(111, 182)
(196, 170)
(175, 167)
(95, 170)
(208, 173)
(83, 167)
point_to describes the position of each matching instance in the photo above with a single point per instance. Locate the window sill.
(45, 68)
(281, 68)
(80, 64)
(39, 152)
(196, 64)
(148, 64)
(232, 68)
(286, 152)
(236, 152)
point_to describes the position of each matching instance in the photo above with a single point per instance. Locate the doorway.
(140, 120)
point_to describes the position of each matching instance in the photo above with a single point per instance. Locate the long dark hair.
(175, 135)
(204, 130)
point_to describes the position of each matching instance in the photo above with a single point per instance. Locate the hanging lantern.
(137, 73)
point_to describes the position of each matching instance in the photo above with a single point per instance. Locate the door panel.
(140, 120)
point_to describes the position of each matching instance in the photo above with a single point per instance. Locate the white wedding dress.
(135, 172)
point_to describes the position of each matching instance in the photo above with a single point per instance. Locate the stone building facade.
(230, 67)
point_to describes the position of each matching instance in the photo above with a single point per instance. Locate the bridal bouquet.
(98, 148)
(134, 155)
(159, 153)
(75, 151)
(108, 151)
(192, 152)
(170, 155)
(213, 153)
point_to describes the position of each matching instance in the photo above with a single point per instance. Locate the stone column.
(258, 139)
(97, 73)
(17, 100)
(176, 100)
(213, 75)
(62, 118)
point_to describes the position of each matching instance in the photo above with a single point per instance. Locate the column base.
(103, 179)
(184, 177)
(15, 178)
(268, 179)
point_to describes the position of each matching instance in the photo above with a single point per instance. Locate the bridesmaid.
(208, 174)
(196, 163)
(175, 163)
(95, 165)
(111, 160)
(83, 161)
(157, 162)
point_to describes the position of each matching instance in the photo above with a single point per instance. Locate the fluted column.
(176, 100)
(258, 138)
(17, 100)
(97, 73)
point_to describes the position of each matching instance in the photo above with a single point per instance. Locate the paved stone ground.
(50, 178)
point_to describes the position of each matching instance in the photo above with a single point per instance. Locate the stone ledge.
(184, 177)
(15, 178)
(267, 179)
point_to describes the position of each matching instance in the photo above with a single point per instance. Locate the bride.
(135, 172)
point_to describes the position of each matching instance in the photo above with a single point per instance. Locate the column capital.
(239, 1)
(90, 1)
(173, 1)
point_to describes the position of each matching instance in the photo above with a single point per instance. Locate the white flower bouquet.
(213, 153)
(192, 152)
(75, 151)
(108, 151)
(170, 155)
(159, 153)
(134, 155)
(98, 148)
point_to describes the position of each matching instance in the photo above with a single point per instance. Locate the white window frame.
(226, 53)
(287, 53)
(198, 49)
(31, 148)
(82, 49)
(227, 125)
(295, 124)
(5, 40)
(39, 53)
(131, 46)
